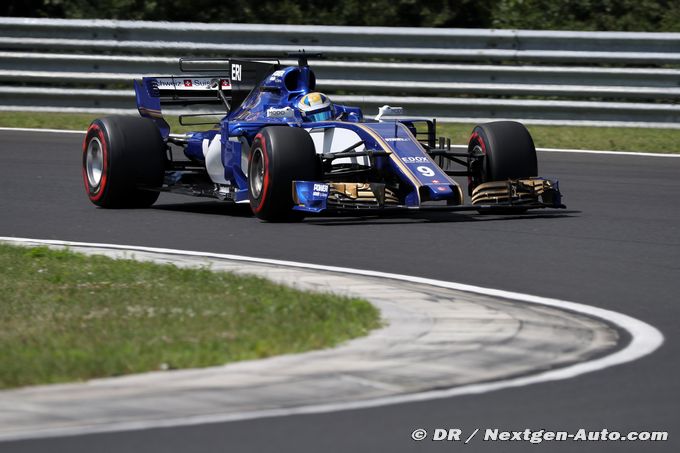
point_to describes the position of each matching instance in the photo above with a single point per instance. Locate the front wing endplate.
(515, 192)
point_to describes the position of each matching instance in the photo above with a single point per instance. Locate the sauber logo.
(236, 72)
(276, 75)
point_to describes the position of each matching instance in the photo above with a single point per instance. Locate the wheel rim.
(478, 169)
(94, 162)
(256, 173)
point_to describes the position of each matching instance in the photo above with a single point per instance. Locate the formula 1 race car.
(289, 151)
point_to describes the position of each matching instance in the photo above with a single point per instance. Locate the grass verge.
(598, 138)
(69, 121)
(67, 316)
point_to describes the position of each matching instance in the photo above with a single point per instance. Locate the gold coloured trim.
(504, 191)
(394, 158)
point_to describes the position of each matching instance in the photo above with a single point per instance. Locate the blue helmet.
(316, 106)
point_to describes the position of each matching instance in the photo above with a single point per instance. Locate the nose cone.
(437, 190)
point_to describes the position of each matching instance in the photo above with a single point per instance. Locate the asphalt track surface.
(616, 247)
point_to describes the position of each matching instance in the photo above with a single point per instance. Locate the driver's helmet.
(316, 106)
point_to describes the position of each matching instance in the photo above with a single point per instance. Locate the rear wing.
(216, 81)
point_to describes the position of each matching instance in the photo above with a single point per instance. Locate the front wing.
(511, 195)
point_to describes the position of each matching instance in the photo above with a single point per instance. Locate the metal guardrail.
(454, 74)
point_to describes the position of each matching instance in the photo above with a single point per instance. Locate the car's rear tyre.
(507, 151)
(123, 157)
(278, 156)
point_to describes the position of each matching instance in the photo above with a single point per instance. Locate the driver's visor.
(320, 116)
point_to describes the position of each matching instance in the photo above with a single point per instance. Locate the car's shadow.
(208, 208)
(372, 218)
(433, 217)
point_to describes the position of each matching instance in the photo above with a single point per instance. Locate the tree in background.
(623, 15)
(601, 15)
(394, 13)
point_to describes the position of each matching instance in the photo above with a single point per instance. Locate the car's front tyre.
(278, 156)
(502, 150)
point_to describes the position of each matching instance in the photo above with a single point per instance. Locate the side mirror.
(387, 111)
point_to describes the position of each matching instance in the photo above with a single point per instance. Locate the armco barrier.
(455, 74)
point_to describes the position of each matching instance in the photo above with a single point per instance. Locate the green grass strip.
(569, 137)
(596, 138)
(72, 121)
(67, 316)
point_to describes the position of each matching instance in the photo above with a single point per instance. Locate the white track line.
(592, 151)
(545, 150)
(645, 339)
(611, 153)
(31, 129)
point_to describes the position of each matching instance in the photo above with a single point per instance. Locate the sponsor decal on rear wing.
(186, 88)
(231, 80)
(152, 92)
(229, 84)
(195, 83)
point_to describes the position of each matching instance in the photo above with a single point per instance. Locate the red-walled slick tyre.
(123, 161)
(508, 150)
(278, 156)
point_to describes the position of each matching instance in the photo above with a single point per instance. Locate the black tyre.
(279, 155)
(508, 149)
(121, 157)
(509, 153)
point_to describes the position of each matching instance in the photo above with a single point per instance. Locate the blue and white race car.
(288, 151)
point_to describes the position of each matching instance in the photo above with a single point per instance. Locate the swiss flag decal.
(187, 83)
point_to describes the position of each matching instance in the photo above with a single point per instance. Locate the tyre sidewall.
(508, 148)
(289, 155)
(133, 157)
(260, 144)
(97, 193)
(478, 143)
